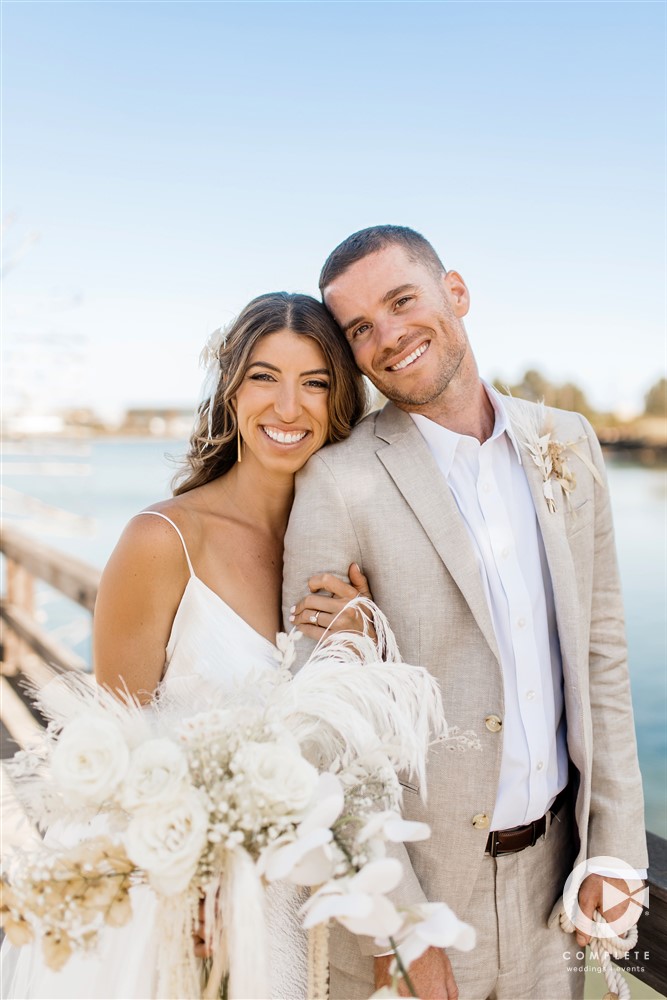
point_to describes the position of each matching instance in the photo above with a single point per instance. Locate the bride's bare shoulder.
(138, 597)
(150, 542)
(150, 547)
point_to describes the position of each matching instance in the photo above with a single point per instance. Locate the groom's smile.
(410, 358)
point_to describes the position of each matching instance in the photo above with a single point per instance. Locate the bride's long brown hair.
(211, 456)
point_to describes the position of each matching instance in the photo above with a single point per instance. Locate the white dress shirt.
(490, 487)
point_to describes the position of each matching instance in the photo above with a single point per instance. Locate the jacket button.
(493, 723)
(480, 821)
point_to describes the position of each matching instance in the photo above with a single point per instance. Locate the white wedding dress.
(208, 640)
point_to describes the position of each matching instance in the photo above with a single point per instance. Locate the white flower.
(167, 841)
(214, 722)
(392, 827)
(359, 903)
(327, 805)
(156, 775)
(308, 860)
(210, 352)
(90, 758)
(309, 856)
(279, 775)
(429, 925)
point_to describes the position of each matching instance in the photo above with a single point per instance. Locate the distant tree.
(571, 397)
(655, 399)
(535, 387)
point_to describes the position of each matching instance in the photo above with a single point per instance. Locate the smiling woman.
(191, 595)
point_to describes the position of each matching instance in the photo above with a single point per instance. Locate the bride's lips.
(409, 357)
(285, 438)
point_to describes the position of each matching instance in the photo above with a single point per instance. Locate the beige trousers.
(517, 957)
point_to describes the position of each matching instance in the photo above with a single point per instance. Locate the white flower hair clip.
(210, 354)
(209, 359)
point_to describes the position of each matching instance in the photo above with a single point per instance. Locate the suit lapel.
(409, 462)
(559, 556)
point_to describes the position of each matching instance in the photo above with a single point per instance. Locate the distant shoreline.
(643, 441)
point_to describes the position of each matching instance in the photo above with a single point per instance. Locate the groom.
(500, 577)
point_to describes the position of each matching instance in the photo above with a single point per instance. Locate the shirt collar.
(443, 442)
(502, 424)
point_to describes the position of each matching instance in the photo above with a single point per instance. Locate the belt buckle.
(533, 839)
(495, 839)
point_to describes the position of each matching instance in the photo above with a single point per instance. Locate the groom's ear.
(457, 292)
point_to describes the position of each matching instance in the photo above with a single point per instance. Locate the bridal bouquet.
(211, 793)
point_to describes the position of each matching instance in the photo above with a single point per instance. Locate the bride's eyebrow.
(265, 364)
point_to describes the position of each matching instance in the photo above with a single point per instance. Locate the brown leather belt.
(517, 838)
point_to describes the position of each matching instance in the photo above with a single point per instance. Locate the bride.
(193, 587)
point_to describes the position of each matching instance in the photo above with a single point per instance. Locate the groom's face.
(404, 324)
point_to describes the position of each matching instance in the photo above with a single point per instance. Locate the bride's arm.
(138, 596)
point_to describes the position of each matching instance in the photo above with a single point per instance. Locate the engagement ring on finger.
(313, 618)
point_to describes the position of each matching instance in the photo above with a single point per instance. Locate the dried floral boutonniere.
(548, 454)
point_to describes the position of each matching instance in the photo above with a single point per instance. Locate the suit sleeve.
(616, 823)
(321, 537)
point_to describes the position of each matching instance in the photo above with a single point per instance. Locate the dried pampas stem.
(318, 962)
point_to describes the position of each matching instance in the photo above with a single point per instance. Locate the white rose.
(168, 840)
(278, 773)
(90, 758)
(157, 773)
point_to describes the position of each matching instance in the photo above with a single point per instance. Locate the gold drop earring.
(239, 444)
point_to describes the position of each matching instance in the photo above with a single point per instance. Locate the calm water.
(108, 481)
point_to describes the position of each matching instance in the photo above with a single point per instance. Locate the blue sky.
(176, 159)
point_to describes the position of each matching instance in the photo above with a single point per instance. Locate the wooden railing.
(25, 641)
(28, 560)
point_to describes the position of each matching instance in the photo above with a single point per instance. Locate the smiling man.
(498, 573)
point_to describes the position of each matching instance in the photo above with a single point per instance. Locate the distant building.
(24, 424)
(157, 422)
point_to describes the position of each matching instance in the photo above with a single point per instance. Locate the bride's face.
(282, 403)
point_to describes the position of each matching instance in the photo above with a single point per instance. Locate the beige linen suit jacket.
(379, 499)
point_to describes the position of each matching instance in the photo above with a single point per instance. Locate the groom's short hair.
(372, 240)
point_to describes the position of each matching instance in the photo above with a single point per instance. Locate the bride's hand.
(320, 611)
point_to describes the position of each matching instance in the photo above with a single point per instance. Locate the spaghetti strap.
(157, 513)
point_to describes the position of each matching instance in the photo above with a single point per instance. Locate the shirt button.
(493, 723)
(521, 622)
(480, 821)
(505, 552)
(530, 695)
(540, 765)
(487, 487)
